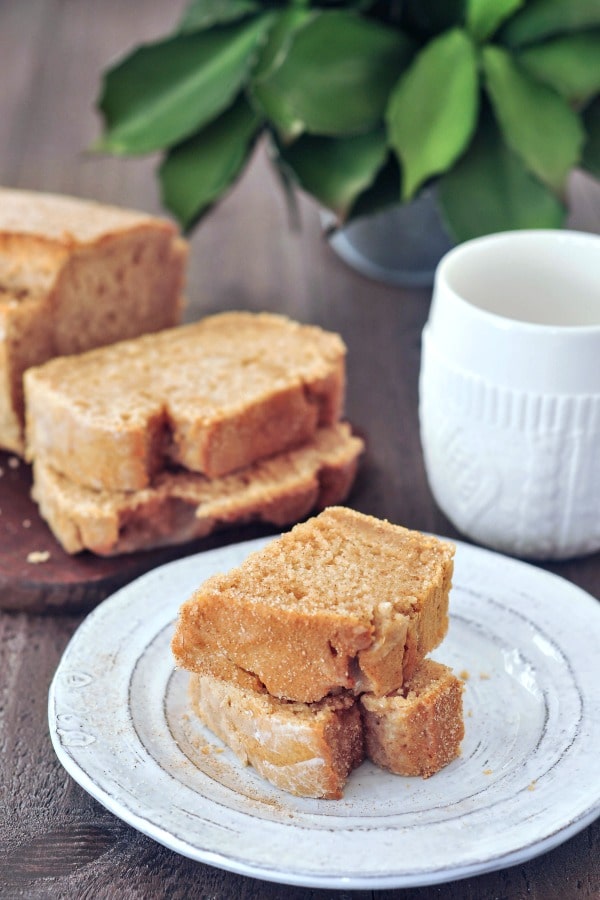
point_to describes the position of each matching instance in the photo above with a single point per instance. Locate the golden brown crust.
(418, 729)
(343, 601)
(213, 396)
(183, 506)
(64, 222)
(75, 275)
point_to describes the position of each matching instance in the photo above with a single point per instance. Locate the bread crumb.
(38, 556)
(464, 675)
(531, 787)
(14, 462)
(484, 676)
(488, 771)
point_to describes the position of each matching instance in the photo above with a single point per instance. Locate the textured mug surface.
(510, 392)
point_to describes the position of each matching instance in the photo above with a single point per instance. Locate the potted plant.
(487, 105)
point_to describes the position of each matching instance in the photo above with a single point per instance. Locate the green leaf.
(591, 150)
(202, 14)
(165, 91)
(432, 111)
(491, 190)
(336, 76)
(268, 101)
(540, 19)
(571, 64)
(279, 39)
(535, 121)
(336, 170)
(484, 17)
(197, 172)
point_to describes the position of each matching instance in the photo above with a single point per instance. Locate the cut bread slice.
(181, 506)
(74, 275)
(309, 749)
(305, 749)
(343, 601)
(213, 396)
(418, 729)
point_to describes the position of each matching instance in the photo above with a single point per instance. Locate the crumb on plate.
(38, 556)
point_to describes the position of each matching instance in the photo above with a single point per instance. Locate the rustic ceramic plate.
(526, 643)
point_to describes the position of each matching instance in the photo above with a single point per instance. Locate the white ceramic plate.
(528, 777)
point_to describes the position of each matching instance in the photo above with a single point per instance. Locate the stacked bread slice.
(75, 274)
(313, 653)
(168, 436)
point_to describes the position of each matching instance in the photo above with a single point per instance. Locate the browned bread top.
(342, 601)
(67, 221)
(212, 396)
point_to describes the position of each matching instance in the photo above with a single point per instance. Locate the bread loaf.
(74, 275)
(213, 396)
(341, 602)
(181, 506)
(418, 729)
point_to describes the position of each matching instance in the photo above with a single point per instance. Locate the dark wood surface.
(55, 840)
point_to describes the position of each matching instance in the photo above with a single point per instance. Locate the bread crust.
(63, 222)
(74, 275)
(342, 602)
(182, 506)
(213, 396)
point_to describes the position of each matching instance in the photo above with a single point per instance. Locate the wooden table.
(55, 840)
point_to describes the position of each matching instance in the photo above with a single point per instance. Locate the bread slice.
(213, 396)
(309, 749)
(306, 749)
(343, 601)
(418, 729)
(74, 275)
(181, 506)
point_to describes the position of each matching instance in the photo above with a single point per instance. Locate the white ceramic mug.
(510, 392)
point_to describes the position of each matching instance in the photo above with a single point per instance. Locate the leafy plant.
(365, 102)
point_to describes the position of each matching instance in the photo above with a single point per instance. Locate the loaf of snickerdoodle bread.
(75, 274)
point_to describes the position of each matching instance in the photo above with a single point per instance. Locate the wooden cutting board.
(36, 575)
